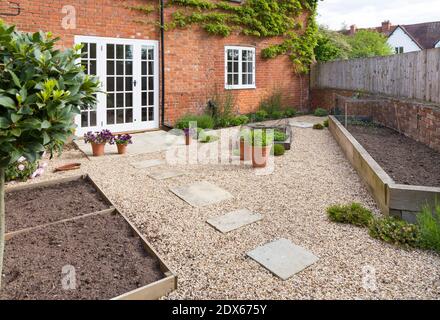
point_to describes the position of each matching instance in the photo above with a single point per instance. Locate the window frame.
(240, 85)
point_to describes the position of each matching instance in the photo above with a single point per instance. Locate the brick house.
(408, 37)
(126, 56)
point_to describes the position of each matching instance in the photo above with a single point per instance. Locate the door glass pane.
(129, 99)
(110, 51)
(110, 117)
(120, 84)
(110, 101)
(110, 84)
(119, 51)
(110, 67)
(119, 100)
(128, 84)
(92, 51)
(119, 116)
(128, 115)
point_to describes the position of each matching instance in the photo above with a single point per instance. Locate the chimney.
(353, 29)
(386, 26)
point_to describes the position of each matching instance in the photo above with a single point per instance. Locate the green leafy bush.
(221, 107)
(42, 88)
(290, 112)
(279, 136)
(208, 139)
(325, 123)
(278, 150)
(320, 112)
(239, 120)
(354, 214)
(203, 121)
(261, 115)
(318, 126)
(394, 231)
(261, 138)
(277, 115)
(429, 226)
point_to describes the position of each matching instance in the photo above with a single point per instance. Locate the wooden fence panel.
(414, 75)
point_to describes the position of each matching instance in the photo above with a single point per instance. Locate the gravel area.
(292, 200)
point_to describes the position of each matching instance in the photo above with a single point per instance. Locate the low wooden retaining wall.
(394, 199)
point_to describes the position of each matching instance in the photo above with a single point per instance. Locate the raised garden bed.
(111, 259)
(396, 179)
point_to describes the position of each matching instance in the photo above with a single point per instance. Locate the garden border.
(151, 291)
(402, 201)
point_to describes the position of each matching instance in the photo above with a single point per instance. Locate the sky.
(371, 13)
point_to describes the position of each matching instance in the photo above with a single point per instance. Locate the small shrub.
(354, 214)
(273, 103)
(325, 123)
(261, 115)
(429, 227)
(394, 231)
(21, 170)
(277, 115)
(261, 138)
(203, 121)
(290, 112)
(239, 120)
(318, 126)
(279, 136)
(278, 150)
(320, 112)
(208, 139)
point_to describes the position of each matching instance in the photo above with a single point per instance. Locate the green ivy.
(258, 18)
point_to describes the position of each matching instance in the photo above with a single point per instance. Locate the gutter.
(162, 64)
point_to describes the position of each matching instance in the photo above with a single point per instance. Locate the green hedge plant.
(41, 90)
(353, 213)
(429, 227)
(394, 231)
(320, 112)
(278, 150)
(203, 121)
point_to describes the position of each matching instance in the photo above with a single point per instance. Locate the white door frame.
(101, 69)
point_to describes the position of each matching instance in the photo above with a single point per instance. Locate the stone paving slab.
(147, 163)
(234, 220)
(163, 174)
(301, 124)
(201, 193)
(283, 258)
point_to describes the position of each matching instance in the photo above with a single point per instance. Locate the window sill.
(240, 87)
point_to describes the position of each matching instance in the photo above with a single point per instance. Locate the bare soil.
(404, 159)
(108, 260)
(42, 205)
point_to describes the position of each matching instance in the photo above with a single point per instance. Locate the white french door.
(128, 71)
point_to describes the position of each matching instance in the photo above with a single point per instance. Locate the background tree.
(365, 43)
(332, 45)
(41, 90)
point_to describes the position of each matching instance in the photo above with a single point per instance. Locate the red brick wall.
(417, 120)
(194, 61)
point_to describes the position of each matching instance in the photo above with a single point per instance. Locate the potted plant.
(261, 141)
(188, 132)
(98, 140)
(245, 146)
(122, 140)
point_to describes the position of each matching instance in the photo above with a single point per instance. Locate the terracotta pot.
(245, 150)
(188, 139)
(260, 156)
(98, 149)
(122, 148)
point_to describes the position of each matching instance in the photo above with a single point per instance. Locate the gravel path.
(292, 200)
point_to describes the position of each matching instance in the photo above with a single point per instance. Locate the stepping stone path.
(147, 163)
(201, 194)
(166, 174)
(234, 220)
(283, 258)
(301, 124)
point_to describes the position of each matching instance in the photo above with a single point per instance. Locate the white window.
(239, 67)
(399, 50)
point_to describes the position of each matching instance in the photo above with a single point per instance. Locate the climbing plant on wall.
(258, 18)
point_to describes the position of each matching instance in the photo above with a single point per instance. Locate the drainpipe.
(162, 58)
